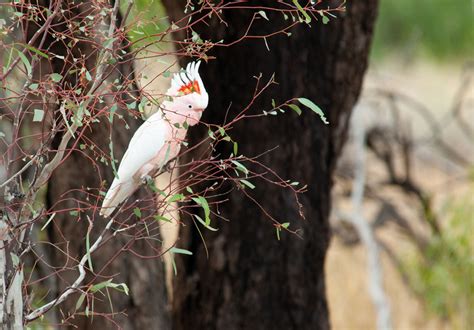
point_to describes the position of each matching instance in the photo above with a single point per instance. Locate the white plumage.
(158, 139)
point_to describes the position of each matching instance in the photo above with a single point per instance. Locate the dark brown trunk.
(146, 305)
(251, 280)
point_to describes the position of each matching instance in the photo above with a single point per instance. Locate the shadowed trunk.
(251, 280)
(68, 189)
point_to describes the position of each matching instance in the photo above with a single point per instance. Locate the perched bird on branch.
(159, 138)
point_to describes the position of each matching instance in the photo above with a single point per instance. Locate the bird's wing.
(144, 145)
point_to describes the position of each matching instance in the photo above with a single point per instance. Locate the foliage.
(147, 21)
(445, 276)
(438, 28)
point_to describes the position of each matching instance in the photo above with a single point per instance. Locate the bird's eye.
(190, 106)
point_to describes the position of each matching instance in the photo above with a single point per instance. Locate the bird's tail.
(116, 194)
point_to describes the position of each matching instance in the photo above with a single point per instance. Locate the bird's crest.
(187, 81)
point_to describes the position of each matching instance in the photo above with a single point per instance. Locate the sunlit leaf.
(313, 107)
(263, 14)
(137, 212)
(176, 198)
(302, 11)
(247, 183)
(56, 77)
(180, 251)
(38, 115)
(25, 62)
(201, 201)
(240, 167)
(295, 108)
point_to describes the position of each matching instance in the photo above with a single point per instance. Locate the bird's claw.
(168, 167)
(146, 179)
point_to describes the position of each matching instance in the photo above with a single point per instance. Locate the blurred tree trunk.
(251, 280)
(146, 305)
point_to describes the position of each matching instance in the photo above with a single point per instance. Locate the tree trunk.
(146, 305)
(251, 280)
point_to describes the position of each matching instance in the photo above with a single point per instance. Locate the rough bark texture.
(251, 280)
(146, 306)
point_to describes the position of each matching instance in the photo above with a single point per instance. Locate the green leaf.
(109, 42)
(278, 228)
(247, 183)
(33, 86)
(180, 251)
(151, 184)
(263, 14)
(132, 105)
(25, 62)
(222, 131)
(80, 300)
(88, 76)
(122, 287)
(112, 159)
(112, 110)
(56, 77)
(236, 148)
(88, 252)
(15, 259)
(99, 286)
(211, 134)
(176, 198)
(314, 108)
(325, 19)
(295, 108)
(38, 115)
(302, 11)
(137, 212)
(240, 167)
(201, 201)
(204, 223)
(161, 218)
(78, 114)
(36, 51)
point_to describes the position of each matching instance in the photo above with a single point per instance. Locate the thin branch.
(82, 274)
(375, 280)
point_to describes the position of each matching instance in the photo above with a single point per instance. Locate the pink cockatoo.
(159, 138)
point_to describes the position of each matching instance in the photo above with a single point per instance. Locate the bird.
(158, 140)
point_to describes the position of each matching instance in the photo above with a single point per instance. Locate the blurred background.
(416, 111)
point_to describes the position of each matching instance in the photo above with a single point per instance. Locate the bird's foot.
(168, 167)
(146, 179)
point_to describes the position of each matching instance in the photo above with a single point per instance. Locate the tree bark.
(146, 305)
(251, 280)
